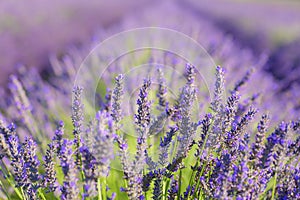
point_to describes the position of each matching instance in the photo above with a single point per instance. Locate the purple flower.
(157, 191)
(190, 74)
(90, 177)
(243, 81)
(31, 160)
(143, 113)
(58, 136)
(49, 179)
(77, 120)
(162, 90)
(186, 127)
(117, 96)
(206, 123)
(217, 104)
(172, 192)
(69, 189)
(259, 138)
(99, 141)
(17, 161)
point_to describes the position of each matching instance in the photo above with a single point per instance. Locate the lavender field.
(145, 100)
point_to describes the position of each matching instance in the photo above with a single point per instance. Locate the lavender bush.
(241, 144)
(220, 155)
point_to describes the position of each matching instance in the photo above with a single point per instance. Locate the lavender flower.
(217, 104)
(77, 111)
(219, 175)
(259, 138)
(101, 142)
(17, 161)
(190, 74)
(49, 179)
(270, 154)
(230, 111)
(157, 191)
(116, 100)
(165, 145)
(142, 119)
(147, 179)
(58, 137)
(5, 133)
(124, 158)
(69, 189)
(238, 130)
(31, 160)
(24, 107)
(31, 164)
(173, 191)
(77, 120)
(162, 90)
(107, 104)
(186, 127)
(206, 123)
(243, 81)
(89, 169)
(143, 113)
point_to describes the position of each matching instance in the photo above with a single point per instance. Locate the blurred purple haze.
(30, 31)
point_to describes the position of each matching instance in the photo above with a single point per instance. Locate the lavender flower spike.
(69, 189)
(186, 127)
(31, 160)
(77, 111)
(17, 161)
(24, 107)
(77, 120)
(49, 179)
(117, 97)
(143, 113)
(217, 104)
(135, 189)
(259, 138)
(5, 133)
(102, 146)
(58, 137)
(230, 111)
(190, 74)
(244, 80)
(162, 90)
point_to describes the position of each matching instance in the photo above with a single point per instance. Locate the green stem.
(11, 182)
(197, 163)
(198, 182)
(4, 190)
(20, 194)
(274, 186)
(164, 189)
(179, 184)
(99, 189)
(103, 186)
(41, 194)
(167, 183)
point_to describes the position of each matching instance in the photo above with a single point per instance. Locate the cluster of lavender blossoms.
(220, 155)
(243, 143)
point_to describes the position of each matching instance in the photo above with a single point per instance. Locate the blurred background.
(32, 31)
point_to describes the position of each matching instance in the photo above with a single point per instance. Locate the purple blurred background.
(31, 31)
